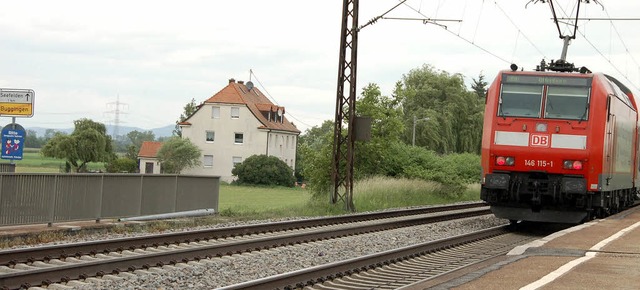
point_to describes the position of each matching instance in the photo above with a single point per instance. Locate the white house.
(147, 157)
(235, 123)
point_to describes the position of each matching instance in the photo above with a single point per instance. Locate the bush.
(264, 170)
(122, 165)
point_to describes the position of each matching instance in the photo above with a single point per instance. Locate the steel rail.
(309, 276)
(28, 255)
(49, 275)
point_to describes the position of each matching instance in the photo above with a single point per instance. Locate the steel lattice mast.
(344, 144)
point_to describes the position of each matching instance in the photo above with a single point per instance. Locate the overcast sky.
(155, 56)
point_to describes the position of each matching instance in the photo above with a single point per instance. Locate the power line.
(272, 98)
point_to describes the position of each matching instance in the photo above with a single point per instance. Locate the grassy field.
(33, 162)
(369, 195)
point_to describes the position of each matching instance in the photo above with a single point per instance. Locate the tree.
(371, 157)
(189, 109)
(88, 142)
(313, 140)
(31, 139)
(387, 127)
(137, 138)
(49, 133)
(264, 170)
(177, 154)
(455, 124)
(480, 86)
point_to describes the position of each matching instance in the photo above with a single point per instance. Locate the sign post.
(14, 103)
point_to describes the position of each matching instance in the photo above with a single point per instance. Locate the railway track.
(400, 267)
(23, 268)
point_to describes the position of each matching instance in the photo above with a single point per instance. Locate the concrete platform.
(602, 254)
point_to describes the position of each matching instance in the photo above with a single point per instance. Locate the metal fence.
(31, 198)
(7, 167)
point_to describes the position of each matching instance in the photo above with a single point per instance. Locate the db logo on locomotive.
(539, 140)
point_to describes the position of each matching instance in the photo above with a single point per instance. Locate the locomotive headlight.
(572, 164)
(508, 161)
(541, 127)
(577, 165)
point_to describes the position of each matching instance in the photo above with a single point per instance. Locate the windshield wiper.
(500, 113)
(584, 115)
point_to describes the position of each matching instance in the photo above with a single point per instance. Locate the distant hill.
(165, 131)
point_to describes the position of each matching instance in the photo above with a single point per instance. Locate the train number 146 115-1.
(538, 163)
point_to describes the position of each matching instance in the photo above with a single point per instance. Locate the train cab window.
(567, 103)
(519, 100)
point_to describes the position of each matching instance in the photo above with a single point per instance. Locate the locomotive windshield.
(557, 97)
(567, 103)
(520, 101)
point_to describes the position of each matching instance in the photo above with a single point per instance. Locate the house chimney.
(241, 82)
(232, 80)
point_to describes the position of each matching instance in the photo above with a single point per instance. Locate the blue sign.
(12, 142)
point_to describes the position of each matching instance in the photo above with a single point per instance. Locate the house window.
(211, 136)
(235, 112)
(236, 160)
(215, 112)
(239, 138)
(208, 161)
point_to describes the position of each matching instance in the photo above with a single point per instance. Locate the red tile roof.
(238, 93)
(149, 149)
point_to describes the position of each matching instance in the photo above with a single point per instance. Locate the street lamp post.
(413, 140)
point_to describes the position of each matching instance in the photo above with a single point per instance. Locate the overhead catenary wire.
(375, 19)
(460, 37)
(519, 30)
(608, 59)
(620, 37)
(475, 32)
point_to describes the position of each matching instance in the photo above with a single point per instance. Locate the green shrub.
(264, 170)
(122, 165)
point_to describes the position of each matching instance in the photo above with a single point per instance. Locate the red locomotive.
(559, 146)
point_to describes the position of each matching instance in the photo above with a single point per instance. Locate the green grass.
(384, 192)
(261, 202)
(244, 202)
(33, 162)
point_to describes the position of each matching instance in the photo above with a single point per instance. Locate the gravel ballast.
(219, 272)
